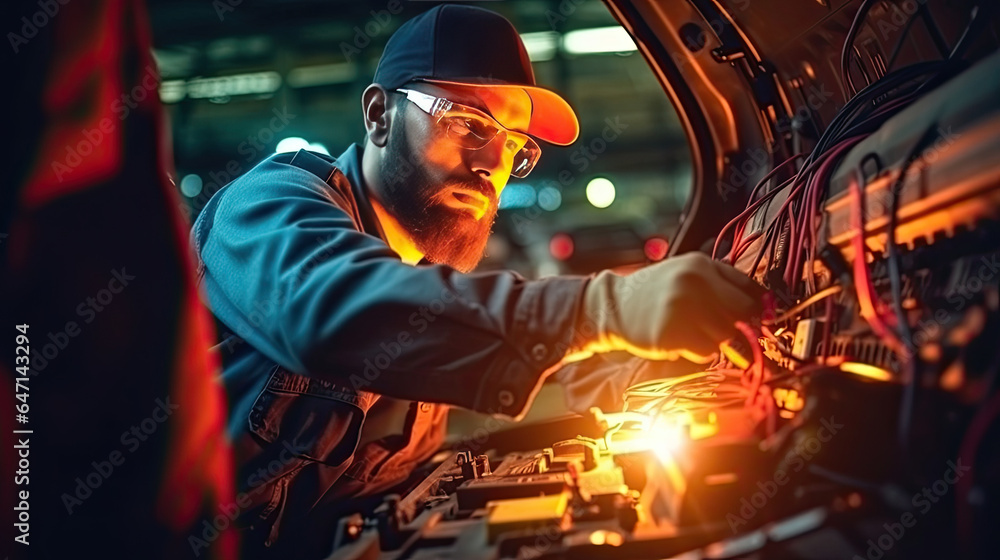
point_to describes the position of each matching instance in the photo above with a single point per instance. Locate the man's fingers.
(717, 328)
(701, 337)
(732, 301)
(723, 303)
(739, 279)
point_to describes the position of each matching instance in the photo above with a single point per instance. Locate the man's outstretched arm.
(287, 270)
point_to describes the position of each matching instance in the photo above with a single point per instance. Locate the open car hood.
(757, 82)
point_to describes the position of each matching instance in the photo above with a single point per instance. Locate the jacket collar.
(349, 164)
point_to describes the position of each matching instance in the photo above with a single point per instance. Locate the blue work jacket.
(320, 318)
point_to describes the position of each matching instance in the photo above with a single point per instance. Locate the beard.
(443, 234)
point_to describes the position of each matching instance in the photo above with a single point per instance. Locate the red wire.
(867, 298)
(755, 369)
(754, 205)
(814, 188)
(744, 245)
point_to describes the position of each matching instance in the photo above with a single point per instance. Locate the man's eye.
(478, 128)
(461, 126)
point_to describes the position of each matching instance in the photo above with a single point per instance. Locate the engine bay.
(856, 411)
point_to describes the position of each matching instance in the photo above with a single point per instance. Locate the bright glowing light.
(549, 198)
(191, 185)
(598, 40)
(865, 370)
(656, 248)
(541, 46)
(292, 144)
(234, 84)
(609, 538)
(600, 192)
(788, 399)
(664, 439)
(561, 246)
(517, 195)
(319, 148)
(663, 436)
(172, 91)
(321, 75)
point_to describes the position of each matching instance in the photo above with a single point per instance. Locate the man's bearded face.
(422, 199)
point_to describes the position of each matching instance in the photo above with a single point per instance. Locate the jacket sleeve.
(286, 269)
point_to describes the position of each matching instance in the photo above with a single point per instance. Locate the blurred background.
(242, 80)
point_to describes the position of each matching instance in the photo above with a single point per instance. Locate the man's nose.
(488, 161)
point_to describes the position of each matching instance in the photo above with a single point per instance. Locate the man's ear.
(377, 116)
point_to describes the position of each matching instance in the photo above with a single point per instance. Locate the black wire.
(895, 282)
(903, 36)
(977, 22)
(933, 30)
(845, 120)
(848, 114)
(849, 42)
(764, 247)
(870, 156)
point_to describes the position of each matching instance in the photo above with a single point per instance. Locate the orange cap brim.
(552, 118)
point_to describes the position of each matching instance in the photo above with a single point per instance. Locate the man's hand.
(681, 307)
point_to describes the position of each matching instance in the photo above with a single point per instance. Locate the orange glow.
(397, 238)
(603, 537)
(854, 500)
(702, 430)
(720, 478)
(735, 357)
(865, 370)
(809, 70)
(665, 440)
(663, 435)
(788, 399)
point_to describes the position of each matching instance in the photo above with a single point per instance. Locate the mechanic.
(344, 288)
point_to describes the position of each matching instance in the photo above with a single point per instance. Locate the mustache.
(483, 187)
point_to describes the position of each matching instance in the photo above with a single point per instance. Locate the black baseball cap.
(473, 47)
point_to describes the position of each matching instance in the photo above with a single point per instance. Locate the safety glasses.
(472, 129)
